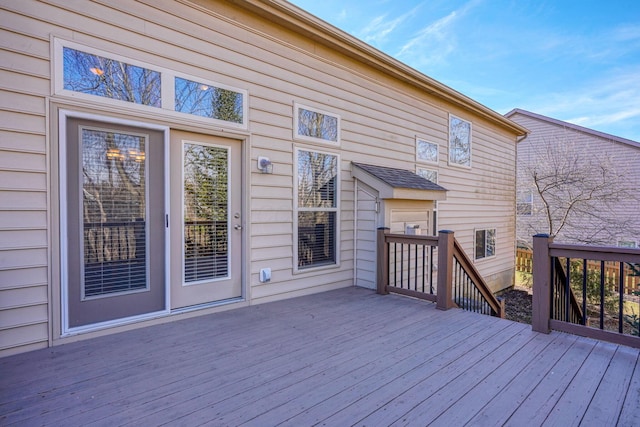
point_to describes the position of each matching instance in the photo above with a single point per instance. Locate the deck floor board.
(345, 357)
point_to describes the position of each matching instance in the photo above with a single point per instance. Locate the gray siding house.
(596, 172)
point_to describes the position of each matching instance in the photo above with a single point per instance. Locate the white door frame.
(65, 114)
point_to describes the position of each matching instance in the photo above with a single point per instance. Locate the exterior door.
(115, 222)
(206, 219)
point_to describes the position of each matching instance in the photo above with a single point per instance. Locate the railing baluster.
(431, 270)
(567, 290)
(621, 299)
(584, 292)
(601, 294)
(415, 280)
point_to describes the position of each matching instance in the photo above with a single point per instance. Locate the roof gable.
(572, 126)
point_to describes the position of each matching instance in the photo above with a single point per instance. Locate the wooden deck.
(346, 357)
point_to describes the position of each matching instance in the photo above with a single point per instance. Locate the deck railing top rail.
(599, 253)
(408, 261)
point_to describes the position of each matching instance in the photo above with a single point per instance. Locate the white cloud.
(434, 42)
(377, 30)
(610, 104)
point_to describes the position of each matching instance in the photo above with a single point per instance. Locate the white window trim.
(449, 162)
(419, 168)
(297, 209)
(635, 242)
(495, 249)
(297, 137)
(167, 78)
(530, 193)
(421, 160)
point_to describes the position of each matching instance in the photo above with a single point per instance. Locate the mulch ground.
(518, 304)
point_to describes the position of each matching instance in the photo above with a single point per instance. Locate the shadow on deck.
(346, 357)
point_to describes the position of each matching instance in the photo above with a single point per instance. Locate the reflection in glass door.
(115, 222)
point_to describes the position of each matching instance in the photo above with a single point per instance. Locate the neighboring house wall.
(279, 61)
(621, 224)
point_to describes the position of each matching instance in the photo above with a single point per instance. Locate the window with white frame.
(430, 174)
(210, 101)
(317, 200)
(109, 78)
(311, 124)
(524, 202)
(85, 72)
(485, 243)
(426, 151)
(627, 243)
(459, 141)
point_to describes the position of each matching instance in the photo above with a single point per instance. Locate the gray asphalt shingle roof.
(399, 178)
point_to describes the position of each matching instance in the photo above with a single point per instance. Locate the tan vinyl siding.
(380, 119)
(24, 72)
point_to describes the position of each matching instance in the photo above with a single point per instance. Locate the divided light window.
(86, 71)
(485, 243)
(314, 125)
(459, 142)
(316, 209)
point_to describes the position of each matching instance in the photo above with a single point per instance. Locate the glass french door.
(115, 222)
(206, 224)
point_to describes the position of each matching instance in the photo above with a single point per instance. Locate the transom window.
(485, 243)
(459, 142)
(204, 100)
(106, 77)
(426, 151)
(311, 124)
(316, 208)
(86, 72)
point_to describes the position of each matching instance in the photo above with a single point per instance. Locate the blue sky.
(573, 60)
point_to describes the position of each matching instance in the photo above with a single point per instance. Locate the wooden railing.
(565, 305)
(524, 264)
(580, 300)
(435, 269)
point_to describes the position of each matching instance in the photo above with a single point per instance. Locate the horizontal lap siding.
(625, 158)
(24, 74)
(380, 119)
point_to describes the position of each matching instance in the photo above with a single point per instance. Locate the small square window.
(426, 151)
(311, 124)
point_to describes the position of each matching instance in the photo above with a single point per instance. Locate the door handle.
(237, 227)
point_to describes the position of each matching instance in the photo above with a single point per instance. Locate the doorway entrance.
(206, 225)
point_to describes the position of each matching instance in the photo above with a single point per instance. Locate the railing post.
(382, 262)
(541, 310)
(445, 270)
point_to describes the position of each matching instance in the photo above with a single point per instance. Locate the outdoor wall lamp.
(265, 165)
